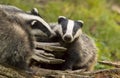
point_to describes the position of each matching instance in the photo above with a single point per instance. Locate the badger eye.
(33, 23)
(80, 23)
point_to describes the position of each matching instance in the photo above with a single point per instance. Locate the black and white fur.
(33, 18)
(70, 30)
(81, 50)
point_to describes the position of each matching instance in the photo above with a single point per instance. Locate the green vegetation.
(100, 20)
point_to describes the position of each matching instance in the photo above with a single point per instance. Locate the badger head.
(38, 25)
(70, 29)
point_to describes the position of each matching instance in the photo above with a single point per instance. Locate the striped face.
(70, 29)
(37, 24)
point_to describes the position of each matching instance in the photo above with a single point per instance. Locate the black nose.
(67, 38)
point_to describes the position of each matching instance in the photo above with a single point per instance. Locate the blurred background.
(101, 20)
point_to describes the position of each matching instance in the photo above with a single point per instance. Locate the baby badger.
(81, 51)
(16, 39)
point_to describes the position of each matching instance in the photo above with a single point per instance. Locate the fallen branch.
(42, 52)
(106, 71)
(115, 64)
(6, 72)
(103, 73)
(43, 57)
(48, 43)
(50, 46)
(58, 74)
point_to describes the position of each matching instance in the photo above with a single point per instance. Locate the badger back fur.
(81, 50)
(10, 9)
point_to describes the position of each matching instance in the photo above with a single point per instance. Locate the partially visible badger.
(81, 50)
(16, 39)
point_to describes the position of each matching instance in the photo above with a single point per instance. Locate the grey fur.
(10, 9)
(16, 41)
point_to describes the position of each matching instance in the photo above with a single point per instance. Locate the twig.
(47, 60)
(115, 64)
(106, 71)
(59, 74)
(42, 52)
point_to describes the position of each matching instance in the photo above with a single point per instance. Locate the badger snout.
(68, 38)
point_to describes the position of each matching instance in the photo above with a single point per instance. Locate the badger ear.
(61, 18)
(34, 11)
(80, 22)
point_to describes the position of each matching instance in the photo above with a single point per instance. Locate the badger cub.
(81, 50)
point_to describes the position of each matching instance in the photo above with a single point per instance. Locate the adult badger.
(81, 51)
(16, 39)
